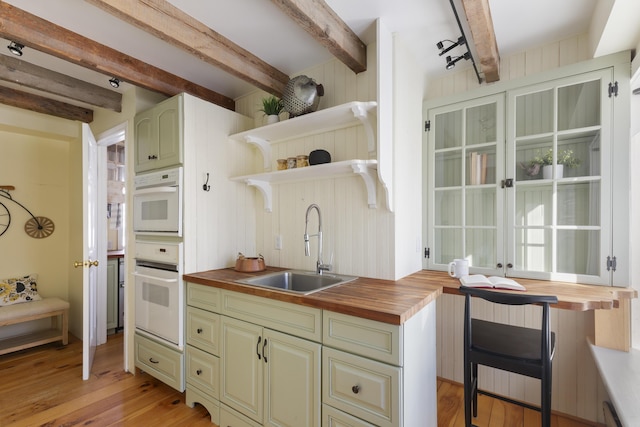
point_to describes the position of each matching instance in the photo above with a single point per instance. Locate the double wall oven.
(159, 290)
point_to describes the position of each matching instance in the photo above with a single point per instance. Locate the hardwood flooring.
(43, 387)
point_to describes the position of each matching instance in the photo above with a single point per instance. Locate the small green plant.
(565, 157)
(271, 106)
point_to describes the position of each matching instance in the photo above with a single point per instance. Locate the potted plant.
(564, 158)
(271, 107)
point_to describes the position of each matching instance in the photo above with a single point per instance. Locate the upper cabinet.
(341, 116)
(158, 136)
(523, 182)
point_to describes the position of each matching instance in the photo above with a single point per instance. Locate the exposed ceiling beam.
(42, 35)
(481, 25)
(167, 22)
(44, 105)
(17, 71)
(321, 22)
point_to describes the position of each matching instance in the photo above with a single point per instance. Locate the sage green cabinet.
(522, 182)
(158, 136)
(112, 293)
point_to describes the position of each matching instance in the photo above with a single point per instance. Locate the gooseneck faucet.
(320, 266)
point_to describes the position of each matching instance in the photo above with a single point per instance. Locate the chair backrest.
(511, 298)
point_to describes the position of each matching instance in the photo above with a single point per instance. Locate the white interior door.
(90, 249)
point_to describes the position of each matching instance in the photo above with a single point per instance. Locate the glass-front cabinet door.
(558, 156)
(466, 158)
(519, 183)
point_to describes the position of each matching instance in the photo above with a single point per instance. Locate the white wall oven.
(157, 203)
(159, 292)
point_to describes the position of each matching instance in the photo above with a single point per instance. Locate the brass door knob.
(89, 263)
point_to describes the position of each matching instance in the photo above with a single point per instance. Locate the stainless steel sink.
(301, 282)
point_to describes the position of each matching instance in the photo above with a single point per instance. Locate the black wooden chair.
(510, 348)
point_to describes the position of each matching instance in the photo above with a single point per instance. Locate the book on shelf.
(478, 166)
(496, 282)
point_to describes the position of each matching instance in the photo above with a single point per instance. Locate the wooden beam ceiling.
(168, 23)
(40, 104)
(17, 71)
(44, 36)
(321, 22)
(480, 23)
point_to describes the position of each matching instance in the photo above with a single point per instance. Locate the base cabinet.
(282, 364)
(273, 378)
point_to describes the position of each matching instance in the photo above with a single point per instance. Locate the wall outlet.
(278, 242)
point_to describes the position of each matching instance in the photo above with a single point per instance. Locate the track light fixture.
(15, 48)
(440, 45)
(114, 82)
(451, 62)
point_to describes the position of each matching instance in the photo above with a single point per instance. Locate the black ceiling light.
(114, 82)
(15, 48)
(451, 62)
(443, 50)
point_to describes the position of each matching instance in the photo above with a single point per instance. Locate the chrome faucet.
(320, 266)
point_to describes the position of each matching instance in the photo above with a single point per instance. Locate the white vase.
(273, 118)
(547, 171)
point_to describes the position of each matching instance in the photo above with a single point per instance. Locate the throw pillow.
(17, 290)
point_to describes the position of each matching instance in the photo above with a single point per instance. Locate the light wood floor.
(43, 387)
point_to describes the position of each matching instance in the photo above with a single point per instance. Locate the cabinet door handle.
(153, 361)
(153, 157)
(199, 371)
(355, 389)
(264, 356)
(199, 330)
(258, 348)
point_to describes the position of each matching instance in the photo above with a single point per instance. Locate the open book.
(497, 282)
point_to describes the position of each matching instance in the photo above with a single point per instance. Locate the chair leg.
(545, 401)
(468, 392)
(474, 387)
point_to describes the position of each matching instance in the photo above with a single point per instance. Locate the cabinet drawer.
(203, 371)
(204, 297)
(369, 338)
(365, 388)
(292, 319)
(331, 417)
(231, 418)
(161, 362)
(203, 330)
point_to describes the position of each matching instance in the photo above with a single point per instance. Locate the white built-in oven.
(159, 292)
(157, 203)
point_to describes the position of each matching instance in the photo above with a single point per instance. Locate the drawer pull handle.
(199, 371)
(153, 361)
(355, 389)
(258, 348)
(199, 330)
(152, 157)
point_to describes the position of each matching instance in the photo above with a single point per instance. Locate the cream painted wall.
(36, 157)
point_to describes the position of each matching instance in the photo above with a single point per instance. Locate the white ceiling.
(261, 28)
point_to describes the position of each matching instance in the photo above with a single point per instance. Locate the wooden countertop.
(396, 301)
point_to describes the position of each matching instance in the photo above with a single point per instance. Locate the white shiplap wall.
(576, 386)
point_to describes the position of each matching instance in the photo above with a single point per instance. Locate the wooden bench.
(24, 312)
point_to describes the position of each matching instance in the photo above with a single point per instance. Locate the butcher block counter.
(396, 301)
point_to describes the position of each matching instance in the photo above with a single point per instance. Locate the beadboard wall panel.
(533, 61)
(357, 240)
